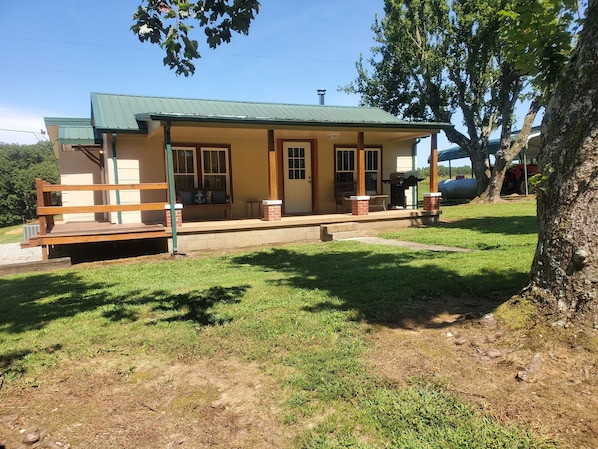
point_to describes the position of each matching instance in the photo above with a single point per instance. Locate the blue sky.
(54, 54)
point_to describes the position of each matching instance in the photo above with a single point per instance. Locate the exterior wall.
(141, 159)
(248, 164)
(397, 158)
(76, 168)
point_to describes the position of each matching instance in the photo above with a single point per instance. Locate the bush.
(19, 166)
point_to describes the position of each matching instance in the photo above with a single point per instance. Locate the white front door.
(297, 177)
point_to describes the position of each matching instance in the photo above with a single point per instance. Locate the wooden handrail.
(46, 212)
(46, 187)
(57, 210)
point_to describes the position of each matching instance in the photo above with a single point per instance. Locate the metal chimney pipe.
(321, 93)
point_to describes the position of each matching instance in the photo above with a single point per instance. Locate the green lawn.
(302, 313)
(9, 234)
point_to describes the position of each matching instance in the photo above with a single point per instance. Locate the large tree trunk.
(477, 152)
(564, 274)
(508, 152)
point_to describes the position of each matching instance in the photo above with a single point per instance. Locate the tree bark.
(564, 274)
(477, 152)
(508, 152)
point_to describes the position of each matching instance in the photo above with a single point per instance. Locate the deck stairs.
(341, 231)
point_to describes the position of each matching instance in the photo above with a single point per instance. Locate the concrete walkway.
(410, 245)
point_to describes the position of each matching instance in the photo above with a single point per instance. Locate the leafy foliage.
(537, 36)
(167, 23)
(438, 59)
(19, 166)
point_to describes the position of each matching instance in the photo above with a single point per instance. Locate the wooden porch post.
(272, 167)
(432, 199)
(272, 206)
(360, 164)
(43, 224)
(434, 164)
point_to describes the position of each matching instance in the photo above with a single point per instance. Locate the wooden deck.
(86, 232)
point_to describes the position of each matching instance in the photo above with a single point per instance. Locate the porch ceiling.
(337, 135)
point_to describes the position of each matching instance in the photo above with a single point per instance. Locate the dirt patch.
(542, 382)
(116, 403)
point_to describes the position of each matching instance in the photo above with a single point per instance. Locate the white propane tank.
(458, 189)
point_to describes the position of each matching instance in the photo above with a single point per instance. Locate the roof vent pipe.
(321, 93)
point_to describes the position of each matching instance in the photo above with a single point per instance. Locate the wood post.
(360, 164)
(434, 164)
(272, 167)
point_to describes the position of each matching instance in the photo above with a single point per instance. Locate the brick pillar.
(178, 209)
(272, 210)
(432, 201)
(360, 205)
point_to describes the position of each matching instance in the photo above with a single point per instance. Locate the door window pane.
(296, 164)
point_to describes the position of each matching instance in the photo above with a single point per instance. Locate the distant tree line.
(443, 171)
(19, 166)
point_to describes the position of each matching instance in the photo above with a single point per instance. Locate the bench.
(226, 207)
(378, 201)
(343, 190)
(197, 200)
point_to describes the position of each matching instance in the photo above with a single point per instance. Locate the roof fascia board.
(291, 124)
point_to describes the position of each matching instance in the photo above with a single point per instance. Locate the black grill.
(399, 182)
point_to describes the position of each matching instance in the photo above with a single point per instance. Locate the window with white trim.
(184, 168)
(214, 169)
(346, 168)
(345, 165)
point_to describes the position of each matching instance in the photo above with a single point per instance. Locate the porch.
(55, 235)
(248, 232)
(228, 233)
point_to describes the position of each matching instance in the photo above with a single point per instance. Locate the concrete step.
(340, 231)
(344, 235)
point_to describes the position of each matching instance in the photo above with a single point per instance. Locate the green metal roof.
(127, 113)
(457, 153)
(73, 131)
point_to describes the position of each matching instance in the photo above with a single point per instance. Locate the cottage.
(220, 159)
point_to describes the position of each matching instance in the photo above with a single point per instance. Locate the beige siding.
(142, 159)
(76, 169)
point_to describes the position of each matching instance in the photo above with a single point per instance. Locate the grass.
(303, 313)
(8, 234)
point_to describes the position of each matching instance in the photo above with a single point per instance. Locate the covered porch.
(225, 234)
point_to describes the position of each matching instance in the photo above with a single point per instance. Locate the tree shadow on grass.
(518, 225)
(195, 306)
(384, 287)
(35, 302)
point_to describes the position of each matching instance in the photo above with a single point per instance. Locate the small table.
(249, 208)
(378, 201)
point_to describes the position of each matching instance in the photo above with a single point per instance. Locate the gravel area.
(11, 253)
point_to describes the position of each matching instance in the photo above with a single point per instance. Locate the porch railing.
(46, 211)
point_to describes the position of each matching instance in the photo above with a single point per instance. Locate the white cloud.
(22, 127)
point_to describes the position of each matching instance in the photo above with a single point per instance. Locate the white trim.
(177, 206)
(433, 194)
(360, 198)
(272, 202)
